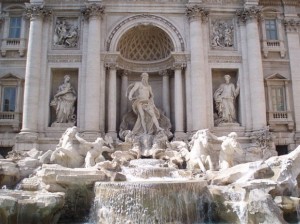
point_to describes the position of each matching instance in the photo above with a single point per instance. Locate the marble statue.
(66, 153)
(64, 101)
(199, 156)
(145, 127)
(141, 95)
(224, 98)
(229, 147)
(65, 34)
(94, 150)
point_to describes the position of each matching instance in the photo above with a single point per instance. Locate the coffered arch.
(145, 20)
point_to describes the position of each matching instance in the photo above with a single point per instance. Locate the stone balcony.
(273, 46)
(12, 119)
(280, 118)
(13, 44)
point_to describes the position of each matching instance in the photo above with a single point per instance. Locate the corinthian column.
(197, 16)
(93, 13)
(124, 85)
(36, 13)
(112, 100)
(178, 92)
(166, 92)
(250, 16)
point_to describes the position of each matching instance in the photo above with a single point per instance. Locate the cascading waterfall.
(151, 202)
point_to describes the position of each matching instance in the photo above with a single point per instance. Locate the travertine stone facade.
(186, 47)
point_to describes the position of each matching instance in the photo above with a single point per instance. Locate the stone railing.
(12, 119)
(13, 44)
(7, 115)
(280, 118)
(273, 46)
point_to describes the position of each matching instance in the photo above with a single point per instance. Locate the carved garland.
(108, 42)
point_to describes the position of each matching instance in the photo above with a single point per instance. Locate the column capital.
(111, 65)
(35, 11)
(291, 25)
(93, 10)
(164, 73)
(196, 12)
(252, 13)
(179, 65)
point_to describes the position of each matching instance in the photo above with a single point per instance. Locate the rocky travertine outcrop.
(25, 207)
(258, 192)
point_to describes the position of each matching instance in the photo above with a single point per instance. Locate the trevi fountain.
(147, 176)
(149, 111)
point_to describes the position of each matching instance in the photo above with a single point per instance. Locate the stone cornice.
(249, 13)
(291, 25)
(34, 11)
(93, 10)
(195, 12)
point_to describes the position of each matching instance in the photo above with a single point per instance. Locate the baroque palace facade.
(77, 58)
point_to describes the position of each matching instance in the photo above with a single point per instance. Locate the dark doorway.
(4, 151)
(282, 149)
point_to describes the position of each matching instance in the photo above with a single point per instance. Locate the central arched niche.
(145, 48)
(145, 43)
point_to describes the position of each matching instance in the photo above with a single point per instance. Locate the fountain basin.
(151, 202)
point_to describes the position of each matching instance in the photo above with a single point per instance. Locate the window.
(9, 99)
(278, 109)
(271, 29)
(278, 98)
(15, 27)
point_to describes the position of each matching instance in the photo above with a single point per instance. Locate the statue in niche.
(141, 95)
(145, 128)
(201, 147)
(224, 98)
(222, 34)
(66, 154)
(65, 34)
(64, 101)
